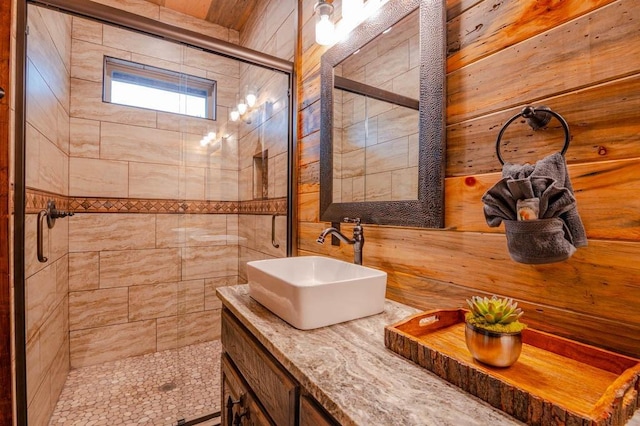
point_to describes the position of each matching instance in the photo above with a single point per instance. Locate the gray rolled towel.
(553, 166)
(538, 241)
(556, 229)
(499, 204)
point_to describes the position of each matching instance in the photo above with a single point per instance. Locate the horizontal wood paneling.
(310, 119)
(602, 122)
(430, 294)
(490, 26)
(580, 53)
(461, 258)
(599, 185)
(227, 13)
(579, 58)
(310, 149)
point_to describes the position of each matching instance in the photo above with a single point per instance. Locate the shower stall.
(173, 151)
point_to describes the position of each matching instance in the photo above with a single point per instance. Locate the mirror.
(382, 119)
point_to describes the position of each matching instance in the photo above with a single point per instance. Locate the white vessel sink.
(315, 291)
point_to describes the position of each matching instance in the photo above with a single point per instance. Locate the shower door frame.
(6, 407)
(136, 23)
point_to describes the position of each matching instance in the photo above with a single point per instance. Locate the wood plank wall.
(5, 279)
(582, 59)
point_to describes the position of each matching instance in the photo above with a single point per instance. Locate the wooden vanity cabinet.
(256, 388)
(239, 406)
(312, 414)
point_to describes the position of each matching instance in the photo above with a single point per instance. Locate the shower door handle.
(274, 242)
(42, 215)
(51, 213)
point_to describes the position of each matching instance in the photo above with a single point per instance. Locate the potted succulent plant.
(493, 332)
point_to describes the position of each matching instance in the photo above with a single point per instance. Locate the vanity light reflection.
(243, 105)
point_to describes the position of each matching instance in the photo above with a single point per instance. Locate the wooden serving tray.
(556, 381)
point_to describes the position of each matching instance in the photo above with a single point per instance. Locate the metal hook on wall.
(51, 213)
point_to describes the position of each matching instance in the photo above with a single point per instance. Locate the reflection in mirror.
(382, 125)
(375, 125)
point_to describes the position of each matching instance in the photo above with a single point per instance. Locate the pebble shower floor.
(154, 389)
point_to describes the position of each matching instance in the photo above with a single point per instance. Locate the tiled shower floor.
(154, 389)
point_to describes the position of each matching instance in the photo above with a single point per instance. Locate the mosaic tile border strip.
(36, 200)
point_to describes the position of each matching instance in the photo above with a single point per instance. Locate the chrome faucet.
(357, 240)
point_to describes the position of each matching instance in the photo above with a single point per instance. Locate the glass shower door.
(168, 207)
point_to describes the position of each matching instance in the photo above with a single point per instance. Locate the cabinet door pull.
(230, 404)
(237, 419)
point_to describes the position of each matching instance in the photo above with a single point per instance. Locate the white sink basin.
(314, 291)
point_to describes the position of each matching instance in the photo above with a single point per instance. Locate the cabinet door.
(311, 414)
(273, 386)
(239, 407)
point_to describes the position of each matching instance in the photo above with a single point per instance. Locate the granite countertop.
(347, 368)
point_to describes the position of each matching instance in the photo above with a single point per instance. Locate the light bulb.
(251, 99)
(324, 24)
(324, 31)
(211, 135)
(204, 141)
(242, 108)
(234, 115)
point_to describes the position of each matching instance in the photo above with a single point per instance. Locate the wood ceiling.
(232, 14)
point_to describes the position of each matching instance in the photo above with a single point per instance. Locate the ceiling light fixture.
(324, 25)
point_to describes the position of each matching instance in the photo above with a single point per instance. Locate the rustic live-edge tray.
(556, 381)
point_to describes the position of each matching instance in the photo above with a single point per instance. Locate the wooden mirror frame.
(428, 210)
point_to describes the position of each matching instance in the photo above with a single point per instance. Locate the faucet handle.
(355, 220)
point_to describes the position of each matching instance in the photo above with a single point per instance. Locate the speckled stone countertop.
(347, 368)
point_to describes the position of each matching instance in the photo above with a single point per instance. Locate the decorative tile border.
(36, 200)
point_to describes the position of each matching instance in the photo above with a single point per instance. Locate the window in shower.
(139, 85)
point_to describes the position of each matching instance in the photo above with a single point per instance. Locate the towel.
(554, 167)
(557, 230)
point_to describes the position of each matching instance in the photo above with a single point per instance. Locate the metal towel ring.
(537, 119)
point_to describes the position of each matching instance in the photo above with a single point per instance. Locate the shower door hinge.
(26, 30)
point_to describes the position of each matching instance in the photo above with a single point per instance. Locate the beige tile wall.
(146, 277)
(131, 152)
(377, 142)
(47, 165)
(270, 30)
